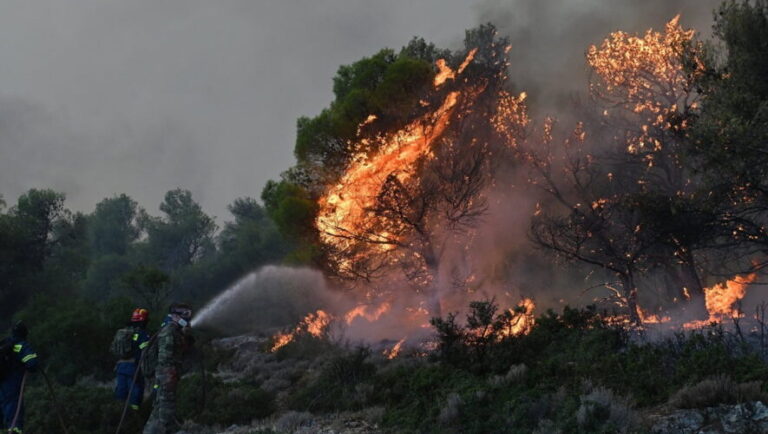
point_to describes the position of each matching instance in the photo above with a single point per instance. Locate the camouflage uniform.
(170, 349)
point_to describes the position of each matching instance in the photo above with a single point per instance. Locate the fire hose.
(21, 402)
(18, 403)
(55, 402)
(136, 376)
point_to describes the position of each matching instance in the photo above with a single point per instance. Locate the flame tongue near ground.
(314, 324)
(722, 300)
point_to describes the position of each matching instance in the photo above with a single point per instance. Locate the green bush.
(339, 385)
(72, 336)
(209, 401)
(85, 410)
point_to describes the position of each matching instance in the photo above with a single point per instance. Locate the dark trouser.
(163, 417)
(125, 373)
(10, 388)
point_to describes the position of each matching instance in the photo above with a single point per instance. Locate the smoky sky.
(101, 97)
(549, 38)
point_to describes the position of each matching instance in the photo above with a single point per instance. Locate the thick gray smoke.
(549, 38)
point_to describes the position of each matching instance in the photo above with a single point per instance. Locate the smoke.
(277, 297)
(549, 38)
(101, 97)
(268, 298)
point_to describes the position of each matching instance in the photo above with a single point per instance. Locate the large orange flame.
(722, 300)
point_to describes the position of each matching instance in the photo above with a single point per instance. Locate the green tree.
(182, 236)
(385, 85)
(27, 237)
(252, 238)
(113, 226)
(148, 285)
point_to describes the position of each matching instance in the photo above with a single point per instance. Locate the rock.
(747, 417)
(681, 421)
(751, 417)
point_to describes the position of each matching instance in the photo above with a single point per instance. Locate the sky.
(102, 97)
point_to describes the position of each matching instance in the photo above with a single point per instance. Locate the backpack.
(148, 363)
(122, 343)
(7, 358)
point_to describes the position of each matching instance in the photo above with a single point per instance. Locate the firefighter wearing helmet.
(128, 344)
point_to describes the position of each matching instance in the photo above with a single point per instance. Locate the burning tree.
(630, 204)
(410, 194)
(598, 227)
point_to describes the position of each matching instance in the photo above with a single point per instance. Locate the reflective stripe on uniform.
(134, 407)
(16, 430)
(17, 348)
(135, 337)
(143, 345)
(156, 386)
(28, 357)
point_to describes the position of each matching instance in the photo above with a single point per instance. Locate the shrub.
(602, 411)
(72, 335)
(339, 384)
(717, 390)
(209, 401)
(292, 421)
(451, 410)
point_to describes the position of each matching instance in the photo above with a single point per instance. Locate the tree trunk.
(630, 291)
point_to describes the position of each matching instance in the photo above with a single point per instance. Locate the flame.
(645, 75)
(314, 324)
(363, 311)
(344, 208)
(444, 72)
(651, 318)
(523, 318)
(722, 300)
(395, 351)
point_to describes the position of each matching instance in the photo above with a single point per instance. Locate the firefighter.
(22, 359)
(128, 345)
(172, 341)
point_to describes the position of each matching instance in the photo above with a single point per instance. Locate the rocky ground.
(750, 417)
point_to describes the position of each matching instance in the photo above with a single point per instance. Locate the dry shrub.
(600, 409)
(516, 373)
(452, 409)
(717, 390)
(292, 421)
